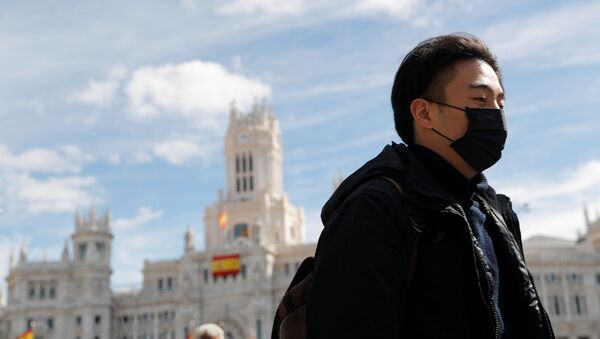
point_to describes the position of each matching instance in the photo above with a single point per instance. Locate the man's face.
(474, 84)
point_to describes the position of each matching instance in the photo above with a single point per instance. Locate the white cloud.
(114, 158)
(141, 157)
(267, 7)
(144, 215)
(54, 195)
(41, 160)
(196, 90)
(560, 36)
(401, 9)
(100, 93)
(555, 202)
(21, 191)
(178, 152)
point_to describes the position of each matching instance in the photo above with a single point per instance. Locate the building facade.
(567, 275)
(254, 242)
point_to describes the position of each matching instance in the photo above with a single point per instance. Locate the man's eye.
(481, 99)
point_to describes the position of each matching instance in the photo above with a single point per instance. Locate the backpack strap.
(416, 230)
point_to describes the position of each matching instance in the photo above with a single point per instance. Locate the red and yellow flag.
(226, 264)
(26, 335)
(223, 220)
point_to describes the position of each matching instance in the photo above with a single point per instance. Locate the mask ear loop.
(443, 104)
(443, 136)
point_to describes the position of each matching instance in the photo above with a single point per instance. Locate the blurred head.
(209, 331)
(455, 69)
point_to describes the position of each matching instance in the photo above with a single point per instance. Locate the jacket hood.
(396, 162)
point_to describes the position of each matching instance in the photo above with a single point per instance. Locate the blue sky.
(124, 104)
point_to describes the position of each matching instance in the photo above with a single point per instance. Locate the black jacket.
(360, 287)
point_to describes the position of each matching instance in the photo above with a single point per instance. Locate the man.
(416, 244)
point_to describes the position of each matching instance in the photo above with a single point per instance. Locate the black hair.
(427, 69)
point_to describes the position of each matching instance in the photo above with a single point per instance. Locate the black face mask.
(482, 145)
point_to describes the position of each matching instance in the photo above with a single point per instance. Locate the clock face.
(243, 138)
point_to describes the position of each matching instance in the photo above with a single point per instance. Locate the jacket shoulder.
(505, 208)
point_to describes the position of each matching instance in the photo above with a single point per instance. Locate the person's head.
(455, 69)
(209, 331)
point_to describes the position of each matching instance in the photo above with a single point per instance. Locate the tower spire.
(586, 215)
(190, 240)
(12, 262)
(23, 255)
(65, 252)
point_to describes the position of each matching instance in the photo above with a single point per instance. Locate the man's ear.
(421, 113)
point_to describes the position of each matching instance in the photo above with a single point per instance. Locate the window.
(100, 250)
(169, 283)
(251, 183)
(237, 164)
(598, 278)
(97, 319)
(574, 278)
(78, 320)
(50, 323)
(552, 278)
(244, 163)
(243, 270)
(52, 292)
(557, 305)
(578, 304)
(250, 162)
(241, 230)
(82, 250)
(245, 187)
(160, 284)
(205, 276)
(31, 287)
(42, 292)
(125, 319)
(237, 184)
(258, 329)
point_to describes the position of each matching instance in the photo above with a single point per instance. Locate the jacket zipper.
(542, 310)
(490, 299)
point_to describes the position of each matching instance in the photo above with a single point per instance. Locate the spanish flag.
(223, 220)
(26, 335)
(226, 264)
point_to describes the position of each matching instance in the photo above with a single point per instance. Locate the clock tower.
(254, 206)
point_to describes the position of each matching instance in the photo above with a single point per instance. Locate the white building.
(567, 275)
(260, 244)
(237, 282)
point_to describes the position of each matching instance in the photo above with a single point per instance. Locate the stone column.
(135, 326)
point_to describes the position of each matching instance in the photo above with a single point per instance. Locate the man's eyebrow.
(480, 85)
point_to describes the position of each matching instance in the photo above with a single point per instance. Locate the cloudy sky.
(124, 104)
